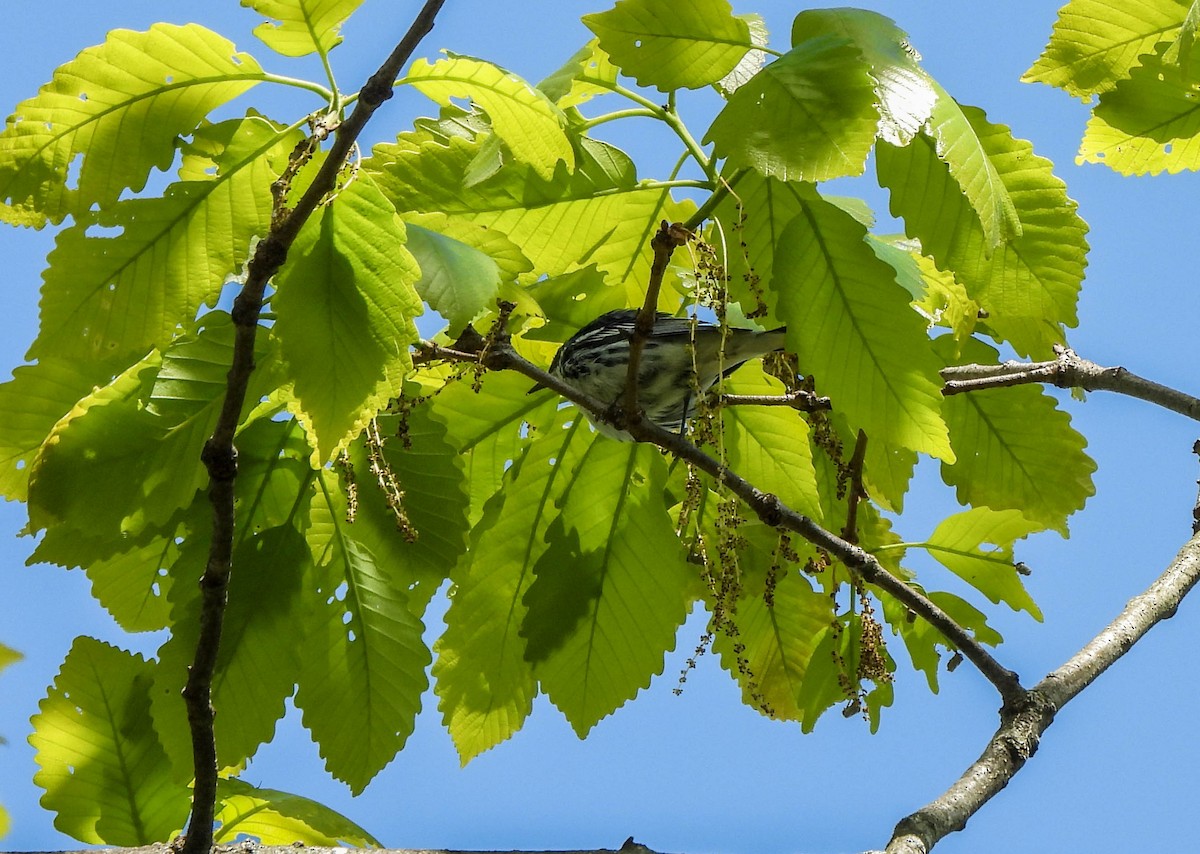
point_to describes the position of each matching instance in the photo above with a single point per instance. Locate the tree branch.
(1021, 727)
(220, 455)
(664, 242)
(1068, 371)
(768, 507)
(805, 401)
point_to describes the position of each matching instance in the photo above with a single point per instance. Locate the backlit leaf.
(104, 772)
(301, 27)
(120, 106)
(684, 45)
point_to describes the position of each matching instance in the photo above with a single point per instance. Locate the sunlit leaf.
(672, 46)
(301, 27)
(1030, 283)
(905, 93)
(528, 123)
(958, 543)
(257, 665)
(615, 634)
(363, 662)
(104, 772)
(1096, 43)
(854, 330)
(1148, 123)
(1016, 450)
(345, 307)
(120, 106)
(460, 265)
(30, 404)
(485, 684)
(808, 116)
(281, 818)
(118, 296)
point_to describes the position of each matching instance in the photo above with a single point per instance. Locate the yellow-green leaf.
(854, 329)
(121, 106)
(281, 818)
(1148, 123)
(958, 543)
(1096, 43)
(345, 306)
(683, 45)
(301, 27)
(104, 772)
(522, 117)
(810, 115)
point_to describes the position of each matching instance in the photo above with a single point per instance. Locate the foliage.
(367, 483)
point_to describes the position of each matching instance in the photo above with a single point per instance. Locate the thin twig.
(767, 507)
(855, 492)
(220, 455)
(805, 401)
(664, 243)
(1022, 726)
(1069, 371)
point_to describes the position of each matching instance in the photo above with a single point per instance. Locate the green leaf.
(1016, 450)
(484, 683)
(853, 328)
(528, 123)
(30, 404)
(1148, 123)
(461, 265)
(122, 122)
(486, 426)
(280, 818)
(412, 502)
(133, 586)
(258, 661)
(363, 660)
(754, 59)
(1180, 51)
(119, 296)
(776, 631)
(103, 770)
(680, 46)
(345, 305)
(1030, 283)
(618, 643)
(957, 543)
(832, 670)
(905, 93)
(304, 26)
(1096, 43)
(128, 455)
(596, 216)
(808, 116)
(589, 72)
(768, 445)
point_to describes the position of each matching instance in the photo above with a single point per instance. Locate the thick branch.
(220, 455)
(1068, 371)
(1021, 727)
(768, 507)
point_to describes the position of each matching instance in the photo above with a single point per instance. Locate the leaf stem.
(328, 95)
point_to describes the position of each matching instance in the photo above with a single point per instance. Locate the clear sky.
(701, 773)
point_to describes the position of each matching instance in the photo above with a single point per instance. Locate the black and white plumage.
(595, 360)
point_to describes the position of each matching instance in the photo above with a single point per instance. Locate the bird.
(595, 362)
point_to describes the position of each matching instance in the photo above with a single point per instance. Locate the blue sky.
(701, 772)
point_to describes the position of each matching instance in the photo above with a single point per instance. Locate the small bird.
(595, 360)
